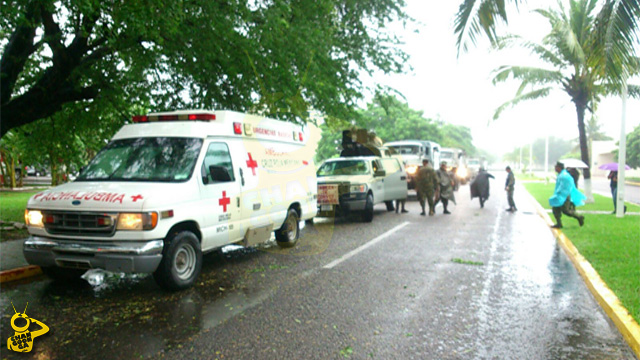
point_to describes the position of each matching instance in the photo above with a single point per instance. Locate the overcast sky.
(459, 90)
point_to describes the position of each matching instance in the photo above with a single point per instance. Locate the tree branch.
(17, 52)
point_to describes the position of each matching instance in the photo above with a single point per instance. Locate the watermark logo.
(22, 340)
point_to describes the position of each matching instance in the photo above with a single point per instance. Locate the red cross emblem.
(252, 164)
(136, 198)
(224, 201)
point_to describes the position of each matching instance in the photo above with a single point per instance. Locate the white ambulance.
(171, 187)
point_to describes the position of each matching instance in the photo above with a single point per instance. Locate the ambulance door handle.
(238, 201)
(241, 177)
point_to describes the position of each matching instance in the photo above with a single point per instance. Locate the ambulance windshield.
(345, 167)
(158, 159)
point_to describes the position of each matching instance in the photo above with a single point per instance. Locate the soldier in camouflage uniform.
(446, 187)
(426, 186)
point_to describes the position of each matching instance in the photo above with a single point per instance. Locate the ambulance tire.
(287, 236)
(181, 262)
(63, 274)
(367, 213)
(390, 206)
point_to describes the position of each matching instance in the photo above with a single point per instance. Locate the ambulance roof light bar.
(174, 117)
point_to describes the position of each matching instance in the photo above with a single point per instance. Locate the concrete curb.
(19, 273)
(609, 302)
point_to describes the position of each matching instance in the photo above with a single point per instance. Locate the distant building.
(603, 153)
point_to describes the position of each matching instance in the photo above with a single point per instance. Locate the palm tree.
(618, 23)
(578, 66)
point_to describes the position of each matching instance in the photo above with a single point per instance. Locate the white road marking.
(354, 252)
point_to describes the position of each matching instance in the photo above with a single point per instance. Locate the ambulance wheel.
(390, 206)
(181, 262)
(367, 214)
(63, 274)
(287, 235)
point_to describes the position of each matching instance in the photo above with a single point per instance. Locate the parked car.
(355, 184)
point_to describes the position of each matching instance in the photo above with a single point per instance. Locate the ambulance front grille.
(79, 223)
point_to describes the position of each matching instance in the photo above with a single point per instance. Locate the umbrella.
(612, 167)
(574, 163)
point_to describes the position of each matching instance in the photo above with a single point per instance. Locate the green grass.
(13, 203)
(610, 244)
(542, 192)
(526, 176)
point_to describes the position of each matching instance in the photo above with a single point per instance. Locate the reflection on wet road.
(534, 301)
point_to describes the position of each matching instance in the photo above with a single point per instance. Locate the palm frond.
(532, 95)
(530, 75)
(617, 25)
(479, 16)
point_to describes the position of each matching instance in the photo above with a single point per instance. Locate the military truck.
(412, 152)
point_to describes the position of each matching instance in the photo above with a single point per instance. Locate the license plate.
(328, 195)
(326, 207)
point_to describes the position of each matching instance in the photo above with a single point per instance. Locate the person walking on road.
(446, 187)
(509, 187)
(402, 202)
(480, 186)
(427, 186)
(564, 195)
(613, 184)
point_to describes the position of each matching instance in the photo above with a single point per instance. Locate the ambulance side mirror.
(380, 173)
(219, 173)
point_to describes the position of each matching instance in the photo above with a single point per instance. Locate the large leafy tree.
(393, 119)
(576, 66)
(279, 58)
(457, 136)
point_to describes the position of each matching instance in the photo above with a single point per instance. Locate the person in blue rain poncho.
(564, 195)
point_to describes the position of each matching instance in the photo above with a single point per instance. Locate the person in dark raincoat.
(427, 186)
(446, 187)
(480, 186)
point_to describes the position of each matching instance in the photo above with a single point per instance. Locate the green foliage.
(275, 58)
(65, 142)
(13, 203)
(393, 120)
(633, 148)
(457, 136)
(574, 52)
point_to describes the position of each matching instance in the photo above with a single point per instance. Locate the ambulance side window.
(217, 155)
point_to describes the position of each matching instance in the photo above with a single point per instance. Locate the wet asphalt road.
(477, 284)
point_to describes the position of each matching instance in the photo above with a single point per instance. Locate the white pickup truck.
(356, 184)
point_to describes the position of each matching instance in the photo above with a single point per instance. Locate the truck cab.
(412, 152)
(355, 184)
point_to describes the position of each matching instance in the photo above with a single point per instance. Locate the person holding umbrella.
(564, 195)
(613, 182)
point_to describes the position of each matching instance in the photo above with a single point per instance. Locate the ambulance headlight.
(137, 221)
(412, 169)
(358, 188)
(33, 218)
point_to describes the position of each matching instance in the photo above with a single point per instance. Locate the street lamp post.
(622, 154)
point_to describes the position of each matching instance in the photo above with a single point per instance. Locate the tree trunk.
(581, 108)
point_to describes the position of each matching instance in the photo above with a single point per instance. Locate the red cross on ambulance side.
(224, 201)
(252, 164)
